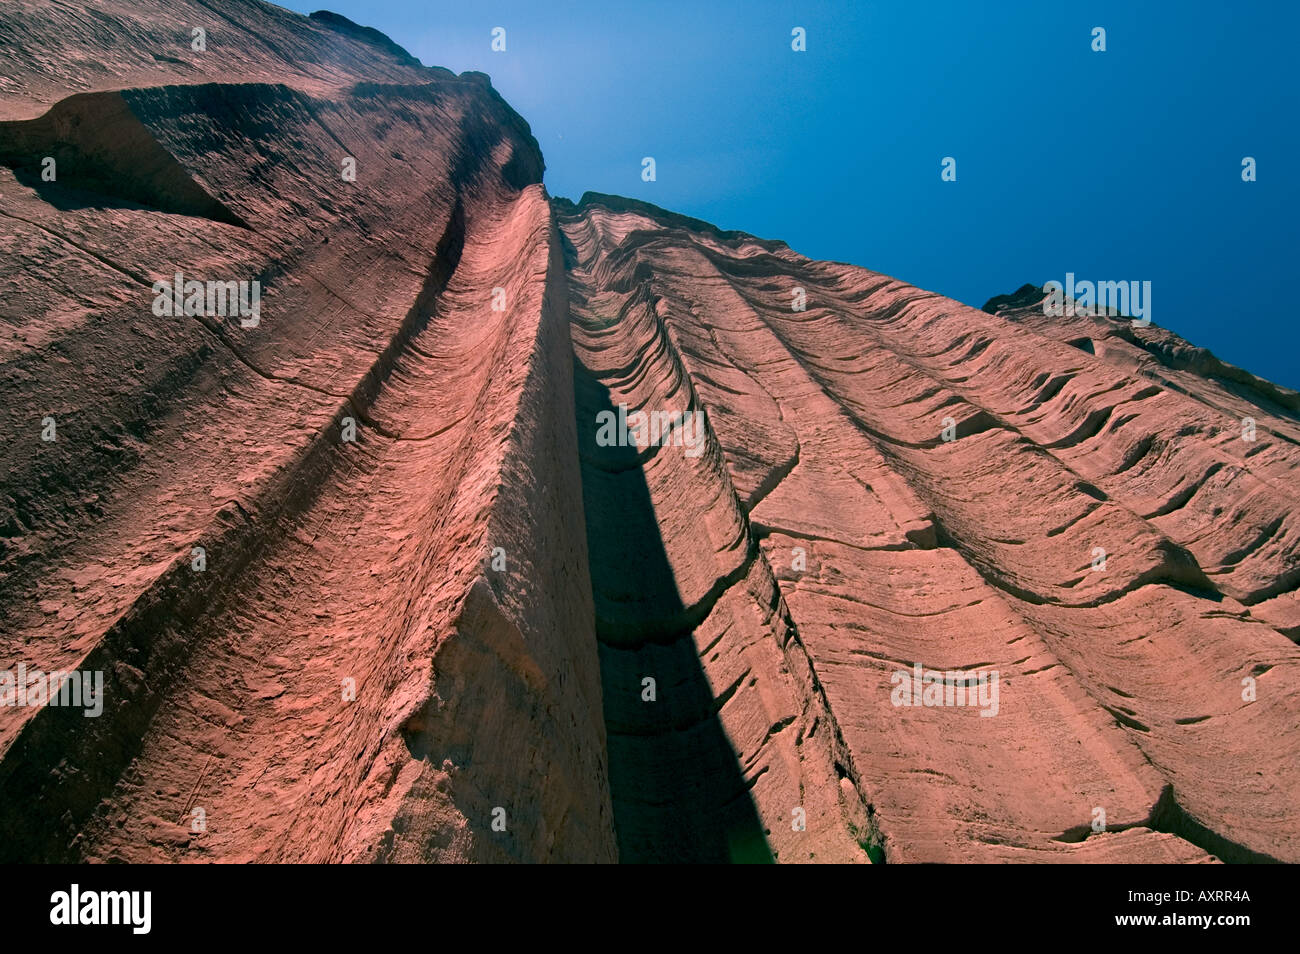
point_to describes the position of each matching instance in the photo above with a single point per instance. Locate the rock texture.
(482, 631)
(1121, 688)
(330, 564)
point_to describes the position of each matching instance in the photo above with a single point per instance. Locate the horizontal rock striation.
(1121, 687)
(498, 527)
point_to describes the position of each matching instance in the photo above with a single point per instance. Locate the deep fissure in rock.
(678, 791)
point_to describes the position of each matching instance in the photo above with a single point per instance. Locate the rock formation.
(367, 579)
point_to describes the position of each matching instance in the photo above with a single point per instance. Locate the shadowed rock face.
(482, 630)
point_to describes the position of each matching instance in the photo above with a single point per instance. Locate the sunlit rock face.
(394, 510)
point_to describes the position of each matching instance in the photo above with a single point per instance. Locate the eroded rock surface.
(367, 581)
(351, 675)
(932, 485)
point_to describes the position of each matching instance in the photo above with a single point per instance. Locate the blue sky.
(1122, 165)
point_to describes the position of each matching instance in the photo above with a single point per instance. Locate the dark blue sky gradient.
(1118, 165)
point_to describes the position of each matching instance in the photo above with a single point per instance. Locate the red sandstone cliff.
(480, 632)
